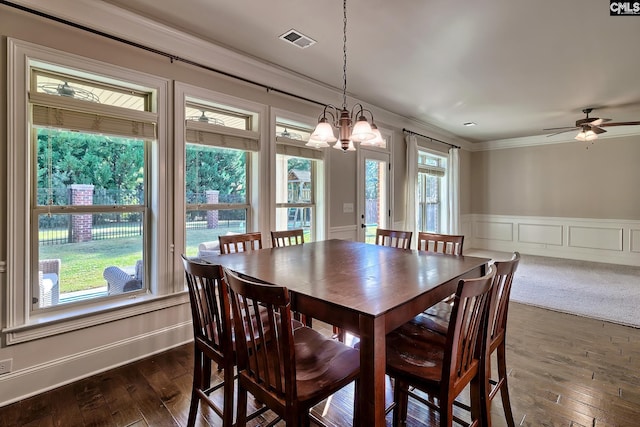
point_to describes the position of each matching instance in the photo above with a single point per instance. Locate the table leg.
(372, 371)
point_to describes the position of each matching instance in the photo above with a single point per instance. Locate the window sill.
(74, 318)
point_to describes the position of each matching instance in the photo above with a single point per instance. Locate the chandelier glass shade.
(352, 125)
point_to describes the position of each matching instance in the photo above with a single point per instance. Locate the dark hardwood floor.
(565, 370)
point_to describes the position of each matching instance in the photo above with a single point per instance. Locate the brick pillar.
(212, 216)
(81, 195)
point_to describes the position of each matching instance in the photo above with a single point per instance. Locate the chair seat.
(415, 351)
(435, 318)
(322, 362)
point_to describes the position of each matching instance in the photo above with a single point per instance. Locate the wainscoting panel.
(599, 240)
(539, 233)
(634, 240)
(596, 238)
(493, 230)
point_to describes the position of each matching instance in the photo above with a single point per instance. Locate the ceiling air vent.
(297, 38)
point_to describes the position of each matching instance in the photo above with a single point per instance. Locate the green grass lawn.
(82, 264)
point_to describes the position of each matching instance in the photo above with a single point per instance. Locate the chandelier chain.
(344, 57)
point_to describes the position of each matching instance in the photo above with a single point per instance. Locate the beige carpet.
(602, 291)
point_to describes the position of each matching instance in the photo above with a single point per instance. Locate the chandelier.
(353, 125)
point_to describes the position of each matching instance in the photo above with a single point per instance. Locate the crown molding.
(117, 22)
(531, 141)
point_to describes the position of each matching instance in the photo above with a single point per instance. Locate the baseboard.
(37, 379)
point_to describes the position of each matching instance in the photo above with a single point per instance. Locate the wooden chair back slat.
(287, 238)
(232, 243)
(393, 238)
(505, 271)
(450, 244)
(466, 335)
(210, 306)
(267, 359)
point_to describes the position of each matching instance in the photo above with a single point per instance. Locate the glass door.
(373, 193)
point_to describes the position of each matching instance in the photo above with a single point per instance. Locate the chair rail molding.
(599, 240)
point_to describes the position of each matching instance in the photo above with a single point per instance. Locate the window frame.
(319, 168)
(442, 190)
(22, 324)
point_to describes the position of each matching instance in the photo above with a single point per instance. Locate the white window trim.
(444, 190)
(321, 178)
(21, 324)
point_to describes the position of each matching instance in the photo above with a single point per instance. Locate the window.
(431, 192)
(91, 184)
(219, 143)
(298, 168)
(85, 199)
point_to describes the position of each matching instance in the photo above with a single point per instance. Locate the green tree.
(109, 163)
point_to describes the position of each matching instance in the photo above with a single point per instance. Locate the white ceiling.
(514, 67)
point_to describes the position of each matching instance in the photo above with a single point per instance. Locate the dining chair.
(288, 370)
(291, 238)
(443, 366)
(213, 338)
(287, 238)
(231, 243)
(437, 318)
(213, 343)
(450, 244)
(393, 238)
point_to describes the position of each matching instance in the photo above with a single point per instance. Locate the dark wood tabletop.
(364, 288)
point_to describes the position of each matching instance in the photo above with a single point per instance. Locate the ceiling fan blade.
(598, 122)
(562, 131)
(566, 128)
(621, 124)
(597, 130)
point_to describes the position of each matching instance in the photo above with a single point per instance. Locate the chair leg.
(356, 401)
(480, 404)
(227, 409)
(339, 334)
(241, 419)
(504, 388)
(446, 413)
(401, 399)
(197, 383)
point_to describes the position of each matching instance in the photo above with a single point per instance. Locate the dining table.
(364, 288)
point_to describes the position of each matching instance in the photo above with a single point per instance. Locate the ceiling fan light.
(586, 135)
(323, 132)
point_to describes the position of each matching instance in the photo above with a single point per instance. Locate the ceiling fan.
(589, 127)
